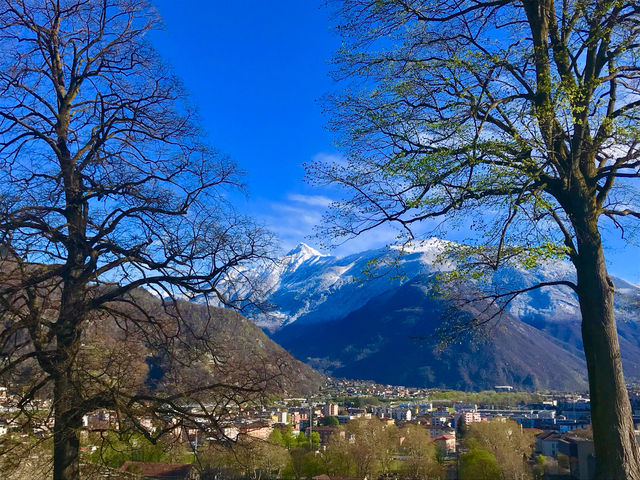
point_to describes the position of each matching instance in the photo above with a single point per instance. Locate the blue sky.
(256, 69)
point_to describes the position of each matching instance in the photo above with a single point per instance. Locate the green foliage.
(421, 454)
(249, 458)
(303, 463)
(314, 440)
(507, 441)
(329, 421)
(301, 439)
(372, 446)
(364, 447)
(338, 460)
(283, 435)
(360, 401)
(277, 437)
(461, 428)
(487, 397)
(115, 449)
(479, 464)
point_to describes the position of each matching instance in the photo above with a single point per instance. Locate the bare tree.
(521, 115)
(106, 188)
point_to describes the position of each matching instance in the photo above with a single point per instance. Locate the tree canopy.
(516, 119)
(107, 187)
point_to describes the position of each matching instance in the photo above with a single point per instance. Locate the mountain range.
(372, 315)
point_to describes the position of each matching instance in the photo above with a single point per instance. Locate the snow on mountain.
(307, 286)
(350, 316)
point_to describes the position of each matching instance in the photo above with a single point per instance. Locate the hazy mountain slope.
(365, 324)
(242, 342)
(390, 340)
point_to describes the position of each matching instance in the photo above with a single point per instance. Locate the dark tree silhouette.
(107, 188)
(522, 115)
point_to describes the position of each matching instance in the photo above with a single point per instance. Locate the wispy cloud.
(312, 200)
(295, 219)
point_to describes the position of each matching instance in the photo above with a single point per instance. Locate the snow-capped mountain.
(308, 286)
(356, 316)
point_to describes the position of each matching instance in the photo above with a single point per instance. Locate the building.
(330, 410)
(582, 461)
(100, 421)
(401, 414)
(436, 431)
(547, 443)
(503, 388)
(446, 443)
(326, 433)
(258, 429)
(281, 417)
(469, 416)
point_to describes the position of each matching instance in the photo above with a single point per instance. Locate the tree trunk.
(66, 441)
(615, 445)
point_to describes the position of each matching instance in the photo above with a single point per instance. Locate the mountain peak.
(304, 250)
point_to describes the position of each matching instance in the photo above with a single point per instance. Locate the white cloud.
(312, 200)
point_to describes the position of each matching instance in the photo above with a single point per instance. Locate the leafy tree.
(508, 443)
(117, 449)
(302, 440)
(277, 437)
(314, 440)
(372, 445)
(299, 463)
(283, 434)
(478, 464)
(329, 421)
(250, 458)
(106, 188)
(525, 109)
(421, 452)
(462, 428)
(338, 461)
(313, 464)
(540, 466)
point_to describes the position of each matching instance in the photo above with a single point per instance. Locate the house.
(258, 429)
(160, 470)
(325, 433)
(281, 417)
(547, 443)
(446, 443)
(582, 464)
(439, 430)
(100, 421)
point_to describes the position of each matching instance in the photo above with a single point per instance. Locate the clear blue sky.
(256, 69)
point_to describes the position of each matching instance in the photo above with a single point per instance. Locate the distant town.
(559, 423)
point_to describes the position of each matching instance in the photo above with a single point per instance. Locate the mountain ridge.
(315, 293)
